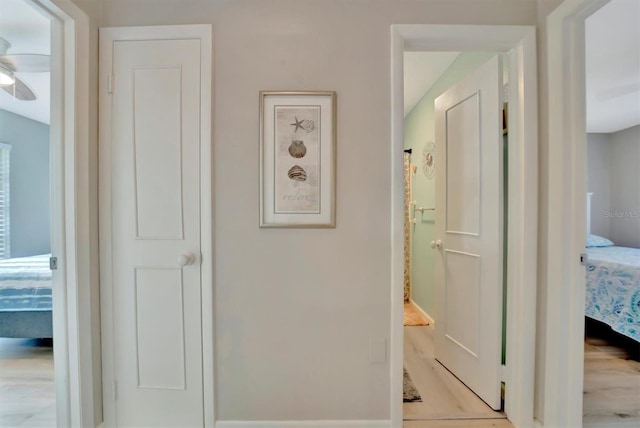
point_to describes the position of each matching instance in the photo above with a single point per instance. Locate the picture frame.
(298, 159)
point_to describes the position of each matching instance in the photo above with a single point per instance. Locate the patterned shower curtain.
(407, 228)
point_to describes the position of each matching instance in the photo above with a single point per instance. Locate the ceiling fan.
(12, 63)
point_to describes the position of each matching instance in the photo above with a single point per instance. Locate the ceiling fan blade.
(20, 90)
(27, 63)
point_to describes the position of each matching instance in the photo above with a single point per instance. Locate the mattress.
(25, 284)
(613, 288)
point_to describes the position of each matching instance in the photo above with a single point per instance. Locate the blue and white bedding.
(25, 284)
(613, 288)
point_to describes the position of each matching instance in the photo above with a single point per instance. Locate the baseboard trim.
(432, 323)
(305, 424)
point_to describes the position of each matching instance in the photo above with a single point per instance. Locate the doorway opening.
(28, 392)
(519, 42)
(612, 325)
(562, 367)
(73, 287)
(428, 369)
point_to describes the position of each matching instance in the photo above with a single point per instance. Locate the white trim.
(70, 217)
(562, 388)
(206, 227)
(432, 322)
(107, 38)
(523, 204)
(522, 231)
(305, 424)
(396, 343)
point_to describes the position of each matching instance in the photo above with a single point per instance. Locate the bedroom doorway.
(612, 324)
(71, 223)
(562, 373)
(27, 379)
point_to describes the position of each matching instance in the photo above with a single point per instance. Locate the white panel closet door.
(155, 204)
(469, 218)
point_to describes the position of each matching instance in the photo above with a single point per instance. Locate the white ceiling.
(613, 67)
(28, 31)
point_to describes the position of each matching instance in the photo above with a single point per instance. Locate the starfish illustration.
(298, 124)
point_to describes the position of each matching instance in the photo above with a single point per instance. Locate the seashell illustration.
(297, 173)
(308, 125)
(297, 149)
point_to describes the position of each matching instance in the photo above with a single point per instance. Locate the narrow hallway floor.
(444, 398)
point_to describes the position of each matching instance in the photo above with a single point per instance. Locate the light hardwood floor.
(27, 389)
(460, 423)
(444, 398)
(611, 386)
(611, 382)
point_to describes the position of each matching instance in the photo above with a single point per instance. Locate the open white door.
(469, 233)
(152, 274)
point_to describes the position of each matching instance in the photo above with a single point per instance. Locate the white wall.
(625, 187)
(29, 184)
(295, 309)
(599, 170)
(614, 177)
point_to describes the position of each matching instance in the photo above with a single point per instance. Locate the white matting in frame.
(297, 158)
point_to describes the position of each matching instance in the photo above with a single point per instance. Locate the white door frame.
(562, 390)
(523, 198)
(107, 37)
(70, 237)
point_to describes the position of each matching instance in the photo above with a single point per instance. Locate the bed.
(613, 283)
(25, 297)
(613, 288)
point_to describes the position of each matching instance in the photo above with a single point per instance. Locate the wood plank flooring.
(611, 382)
(612, 387)
(444, 397)
(460, 423)
(27, 389)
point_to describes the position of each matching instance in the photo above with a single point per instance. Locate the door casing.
(107, 37)
(520, 43)
(71, 225)
(561, 376)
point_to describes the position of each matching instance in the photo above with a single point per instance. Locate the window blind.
(5, 237)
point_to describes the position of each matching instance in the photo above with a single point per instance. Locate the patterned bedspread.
(25, 283)
(613, 288)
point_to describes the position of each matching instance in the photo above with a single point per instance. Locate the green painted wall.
(419, 128)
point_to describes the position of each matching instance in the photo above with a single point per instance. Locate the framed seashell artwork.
(297, 159)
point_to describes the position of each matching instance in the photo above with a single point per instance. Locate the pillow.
(598, 241)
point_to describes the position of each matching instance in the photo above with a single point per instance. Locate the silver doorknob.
(186, 259)
(436, 244)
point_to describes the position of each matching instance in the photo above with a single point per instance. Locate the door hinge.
(110, 84)
(114, 388)
(503, 373)
(584, 259)
(53, 263)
